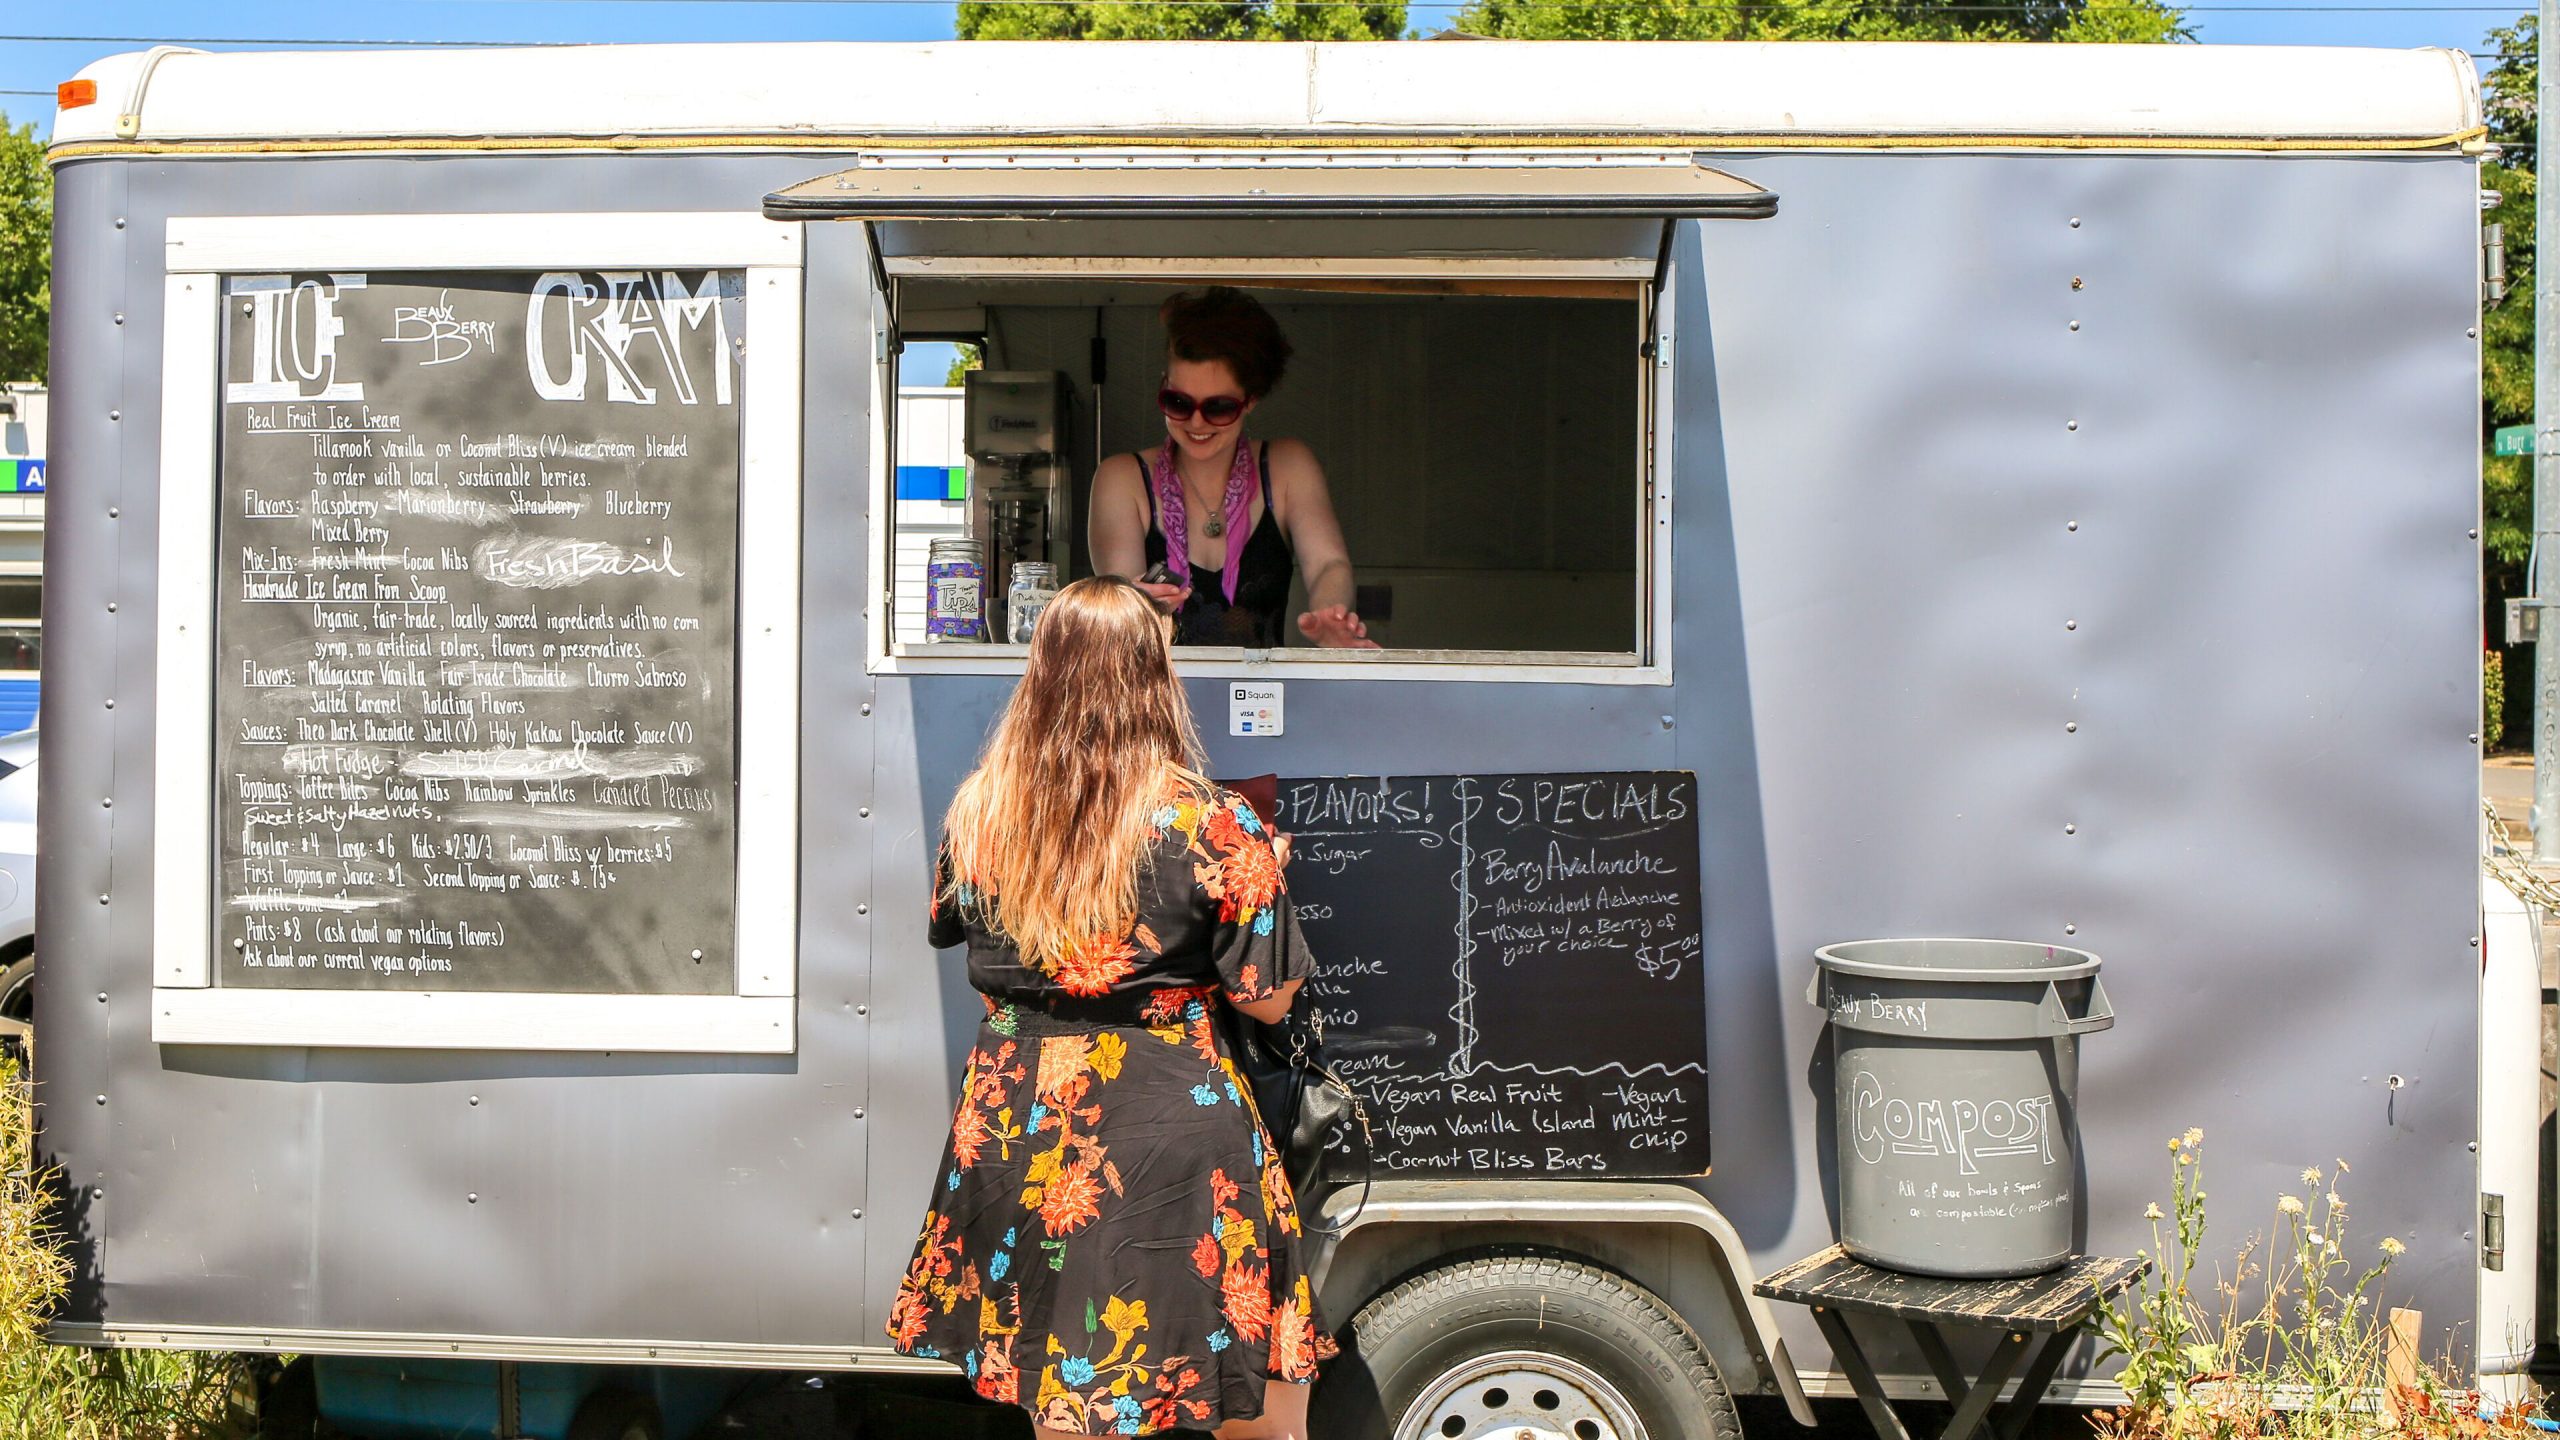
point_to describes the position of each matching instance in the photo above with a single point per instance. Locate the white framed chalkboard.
(473, 729)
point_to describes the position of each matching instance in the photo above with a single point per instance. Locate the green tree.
(26, 252)
(2506, 350)
(964, 358)
(2096, 20)
(2506, 359)
(1178, 20)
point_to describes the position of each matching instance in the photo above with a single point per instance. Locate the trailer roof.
(811, 95)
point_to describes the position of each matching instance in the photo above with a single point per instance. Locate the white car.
(18, 875)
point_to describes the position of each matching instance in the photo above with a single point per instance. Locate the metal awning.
(956, 212)
(1264, 186)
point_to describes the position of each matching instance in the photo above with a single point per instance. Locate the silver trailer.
(2012, 491)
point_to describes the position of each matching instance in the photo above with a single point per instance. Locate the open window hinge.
(2493, 264)
(2493, 1231)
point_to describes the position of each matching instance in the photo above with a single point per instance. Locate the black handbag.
(1303, 1104)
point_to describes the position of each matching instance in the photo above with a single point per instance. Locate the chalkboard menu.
(476, 586)
(1510, 967)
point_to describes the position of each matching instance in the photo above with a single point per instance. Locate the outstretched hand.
(1168, 598)
(1335, 627)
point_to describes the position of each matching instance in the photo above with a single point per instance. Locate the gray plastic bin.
(1956, 1064)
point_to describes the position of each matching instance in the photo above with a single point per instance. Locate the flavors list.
(475, 689)
(1510, 967)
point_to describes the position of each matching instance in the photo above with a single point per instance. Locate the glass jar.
(1035, 584)
(955, 591)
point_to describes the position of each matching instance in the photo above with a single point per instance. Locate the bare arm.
(1306, 516)
(1116, 528)
(1275, 1009)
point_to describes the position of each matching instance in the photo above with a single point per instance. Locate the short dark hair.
(1224, 323)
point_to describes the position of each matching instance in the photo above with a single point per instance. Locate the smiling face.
(1202, 380)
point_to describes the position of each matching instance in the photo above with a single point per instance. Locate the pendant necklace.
(1215, 524)
(1173, 503)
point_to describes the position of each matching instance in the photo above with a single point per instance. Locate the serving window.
(1474, 370)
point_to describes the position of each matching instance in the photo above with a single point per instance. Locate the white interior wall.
(930, 432)
(1482, 451)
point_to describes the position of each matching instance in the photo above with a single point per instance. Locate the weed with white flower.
(2295, 1319)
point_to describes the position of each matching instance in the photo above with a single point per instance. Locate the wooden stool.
(2050, 1306)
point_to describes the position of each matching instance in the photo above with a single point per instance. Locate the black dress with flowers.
(1111, 1242)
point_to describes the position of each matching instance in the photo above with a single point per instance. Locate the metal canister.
(1035, 584)
(955, 590)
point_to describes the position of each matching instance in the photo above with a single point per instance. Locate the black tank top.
(1262, 586)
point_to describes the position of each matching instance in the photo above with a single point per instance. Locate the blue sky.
(30, 67)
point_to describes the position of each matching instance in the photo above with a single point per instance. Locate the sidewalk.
(2507, 782)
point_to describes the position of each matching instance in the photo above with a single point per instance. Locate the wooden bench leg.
(1942, 1361)
(1985, 1390)
(2031, 1386)
(1862, 1376)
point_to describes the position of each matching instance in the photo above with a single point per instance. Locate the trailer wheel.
(1534, 1345)
(18, 989)
(617, 1415)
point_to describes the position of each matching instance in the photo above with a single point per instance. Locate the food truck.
(1804, 493)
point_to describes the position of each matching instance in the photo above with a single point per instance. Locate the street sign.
(2511, 440)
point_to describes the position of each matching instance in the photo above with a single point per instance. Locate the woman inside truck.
(1111, 1241)
(1221, 521)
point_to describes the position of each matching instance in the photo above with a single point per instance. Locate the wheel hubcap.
(1518, 1395)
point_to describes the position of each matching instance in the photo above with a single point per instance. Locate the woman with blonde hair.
(1111, 1243)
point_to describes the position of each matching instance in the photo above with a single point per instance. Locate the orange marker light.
(72, 94)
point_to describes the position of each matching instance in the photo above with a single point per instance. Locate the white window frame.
(760, 1018)
(1648, 661)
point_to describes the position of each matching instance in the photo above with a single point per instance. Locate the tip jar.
(1035, 584)
(955, 590)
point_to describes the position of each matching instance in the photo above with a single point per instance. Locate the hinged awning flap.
(1267, 185)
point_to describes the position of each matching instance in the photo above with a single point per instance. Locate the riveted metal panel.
(2178, 451)
(2264, 628)
(605, 1197)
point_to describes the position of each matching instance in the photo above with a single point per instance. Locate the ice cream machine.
(1019, 495)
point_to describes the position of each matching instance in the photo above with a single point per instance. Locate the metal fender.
(1660, 1235)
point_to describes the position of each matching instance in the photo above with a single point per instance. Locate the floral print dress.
(1111, 1242)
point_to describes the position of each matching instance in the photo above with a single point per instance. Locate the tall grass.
(56, 1392)
(2292, 1344)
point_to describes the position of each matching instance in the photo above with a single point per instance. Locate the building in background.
(933, 493)
(22, 484)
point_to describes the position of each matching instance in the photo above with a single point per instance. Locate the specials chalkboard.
(476, 586)
(1510, 967)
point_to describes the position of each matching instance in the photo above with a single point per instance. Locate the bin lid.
(1957, 960)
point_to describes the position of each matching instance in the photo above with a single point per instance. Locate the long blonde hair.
(1049, 833)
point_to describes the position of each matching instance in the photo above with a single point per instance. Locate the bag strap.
(1368, 1145)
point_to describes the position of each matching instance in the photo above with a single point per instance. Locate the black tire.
(617, 1415)
(1500, 1341)
(18, 989)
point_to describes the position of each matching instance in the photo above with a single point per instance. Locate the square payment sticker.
(1253, 709)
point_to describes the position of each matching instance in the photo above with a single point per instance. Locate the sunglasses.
(1217, 409)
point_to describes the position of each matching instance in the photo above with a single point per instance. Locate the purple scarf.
(1173, 514)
